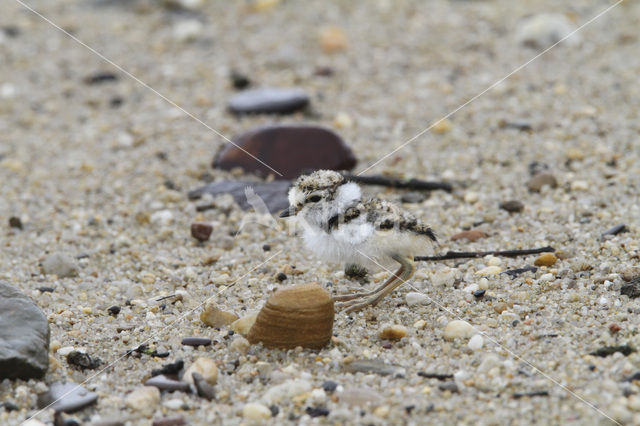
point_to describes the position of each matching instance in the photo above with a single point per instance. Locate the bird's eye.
(314, 198)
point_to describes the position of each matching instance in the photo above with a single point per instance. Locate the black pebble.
(196, 341)
(169, 369)
(274, 410)
(83, 361)
(317, 411)
(11, 31)
(281, 276)
(46, 289)
(114, 310)
(618, 229)
(15, 222)
(266, 247)
(239, 80)
(101, 77)
(409, 408)
(9, 406)
(479, 293)
(329, 386)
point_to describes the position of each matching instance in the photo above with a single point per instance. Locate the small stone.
(15, 222)
(83, 361)
(215, 317)
(196, 341)
(458, 329)
(24, 336)
(172, 368)
(205, 390)
(442, 126)
(546, 259)
(244, 324)
(143, 400)
(239, 80)
(289, 149)
(579, 185)
(286, 391)
(281, 276)
(201, 231)
(46, 289)
(499, 308)
(169, 421)
(512, 206)
(614, 328)
(618, 229)
(361, 397)
(632, 288)
(114, 310)
(479, 293)
(60, 264)
(471, 235)
(66, 397)
(164, 382)
(489, 270)
(317, 411)
(449, 386)
(240, 345)
(476, 342)
(206, 367)
(161, 218)
(268, 100)
(414, 298)
(187, 30)
(471, 197)
(610, 350)
(333, 39)
(101, 77)
(545, 29)
(329, 386)
(540, 180)
(413, 197)
(393, 332)
(266, 247)
(369, 366)
(256, 411)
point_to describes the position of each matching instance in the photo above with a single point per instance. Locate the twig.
(473, 254)
(415, 184)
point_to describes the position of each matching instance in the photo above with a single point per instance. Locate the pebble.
(161, 218)
(512, 206)
(476, 342)
(24, 336)
(333, 39)
(329, 386)
(60, 264)
(169, 421)
(172, 368)
(414, 298)
(285, 391)
(164, 382)
(244, 324)
(546, 259)
(317, 411)
(618, 229)
(114, 310)
(215, 317)
(83, 361)
(144, 400)
(442, 126)
(15, 222)
(545, 29)
(632, 288)
(203, 388)
(393, 332)
(201, 231)
(470, 235)
(68, 397)
(499, 308)
(206, 367)
(368, 366)
(413, 197)
(256, 411)
(268, 100)
(100, 77)
(361, 397)
(239, 344)
(471, 197)
(538, 181)
(289, 149)
(458, 329)
(187, 30)
(479, 293)
(196, 341)
(489, 270)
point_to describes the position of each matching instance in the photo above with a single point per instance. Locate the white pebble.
(603, 301)
(144, 400)
(489, 270)
(476, 342)
(187, 30)
(256, 411)
(162, 218)
(414, 298)
(545, 29)
(173, 404)
(546, 277)
(286, 391)
(457, 329)
(471, 197)
(494, 261)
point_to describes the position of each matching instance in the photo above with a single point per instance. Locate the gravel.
(101, 172)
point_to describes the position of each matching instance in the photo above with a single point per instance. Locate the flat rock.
(60, 264)
(268, 100)
(632, 288)
(68, 397)
(361, 397)
(167, 383)
(291, 150)
(377, 367)
(542, 179)
(24, 336)
(512, 206)
(543, 30)
(273, 194)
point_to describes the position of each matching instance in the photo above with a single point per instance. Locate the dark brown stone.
(201, 231)
(512, 206)
(291, 150)
(196, 341)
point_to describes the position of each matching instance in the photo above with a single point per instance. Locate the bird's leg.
(406, 270)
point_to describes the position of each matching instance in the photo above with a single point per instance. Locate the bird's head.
(321, 195)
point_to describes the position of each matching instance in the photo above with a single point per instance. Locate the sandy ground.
(86, 178)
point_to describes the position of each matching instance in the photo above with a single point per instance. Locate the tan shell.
(300, 315)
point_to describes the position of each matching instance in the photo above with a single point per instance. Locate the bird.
(339, 225)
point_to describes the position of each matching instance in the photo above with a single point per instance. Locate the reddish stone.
(289, 149)
(201, 231)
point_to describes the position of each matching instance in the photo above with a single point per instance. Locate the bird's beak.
(287, 212)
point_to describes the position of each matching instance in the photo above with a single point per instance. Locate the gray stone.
(61, 265)
(268, 100)
(66, 397)
(368, 366)
(24, 336)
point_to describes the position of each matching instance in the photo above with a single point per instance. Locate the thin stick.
(415, 184)
(473, 254)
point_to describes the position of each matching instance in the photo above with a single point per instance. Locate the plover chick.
(338, 225)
